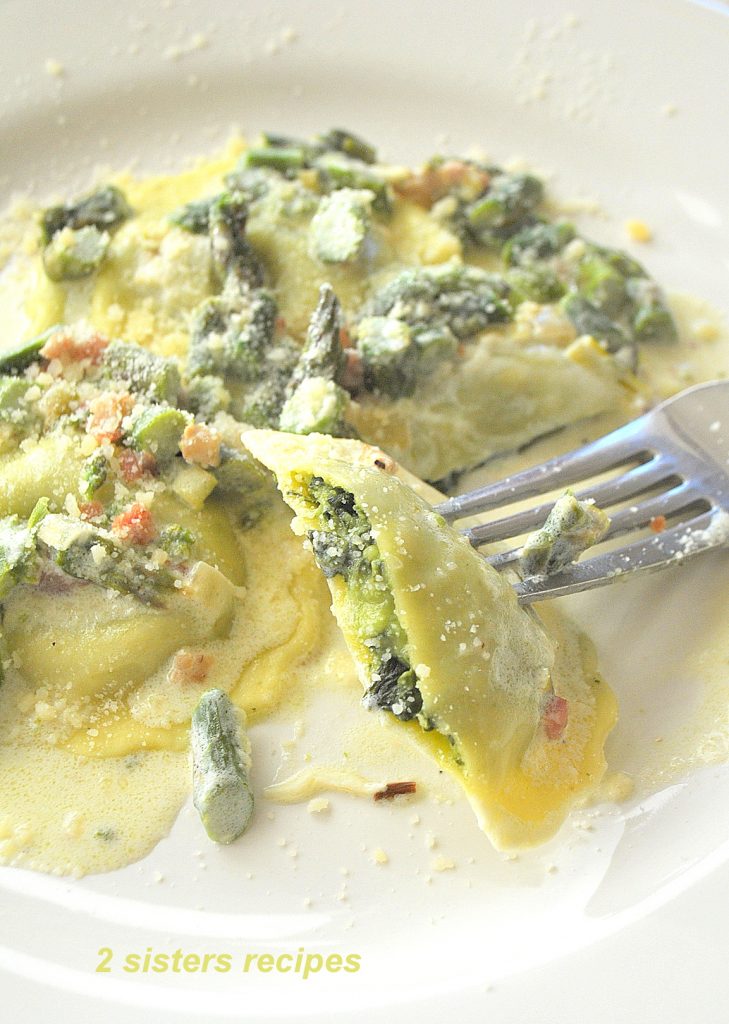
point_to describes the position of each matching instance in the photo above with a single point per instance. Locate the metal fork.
(680, 450)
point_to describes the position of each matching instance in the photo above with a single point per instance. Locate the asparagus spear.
(16, 359)
(338, 232)
(220, 766)
(71, 255)
(570, 528)
(322, 354)
(104, 209)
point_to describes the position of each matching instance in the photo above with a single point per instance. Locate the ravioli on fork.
(512, 704)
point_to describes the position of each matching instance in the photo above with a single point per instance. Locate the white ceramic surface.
(623, 102)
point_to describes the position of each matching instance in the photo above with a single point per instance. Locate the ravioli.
(439, 639)
(305, 286)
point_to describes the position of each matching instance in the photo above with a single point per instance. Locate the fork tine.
(606, 453)
(678, 499)
(674, 545)
(608, 493)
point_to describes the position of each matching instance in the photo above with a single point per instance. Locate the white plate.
(623, 102)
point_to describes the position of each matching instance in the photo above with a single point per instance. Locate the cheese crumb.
(379, 856)
(317, 805)
(54, 68)
(442, 863)
(638, 231)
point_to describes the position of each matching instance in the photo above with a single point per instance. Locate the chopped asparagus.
(337, 170)
(388, 354)
(73, 254)
(317, 406)
(220, 768)
(464, 298)
(145, 373)
(14, 409)
(206, 396)
(76, 235)
(93, 474)
(238, 472)
(39, 512)
(90, 553)
(537, 242)
(652, 319)
(587, 319)
(231, 252)
(287, 159)
(349, 143)
(535, 282)
(103, 209)
(322, 354)
(506, 206)
(15, 360)
(231, 334)
(177, 541)
(416, 321)
(602, 285)
(260, 404)
(570, 528)
(158, 430)
(194, 217)
(339, 228)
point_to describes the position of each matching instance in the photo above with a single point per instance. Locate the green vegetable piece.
(15, 360)
(652, 319)
(232, 334)
(388, 354)
(39, 512)
(13, 408)
(253, 182)
(145, 373)
(177, 541)
(239, 473)
(464, 299)
(506, 206)
(94, 473)
(260, 404)
(12, 392)
(230, 250)
(71, 255)
(336, 171)
(537, 242)
(570, 528)
(17, 553)
(220, 768)
(340, 226)
(654, 323)
(619, 260)
(194, 217)
(344, 546)
(433, 345)
(589, 320)
(352, 145)
(534, 282)
(92, 554)
(395, 690)
(602, 285)
(287, 160)
(158, 430)
(322, 354)
(317, 406)
(103, 209)
(206, 396)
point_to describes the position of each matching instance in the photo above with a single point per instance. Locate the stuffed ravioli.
(440, 640)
